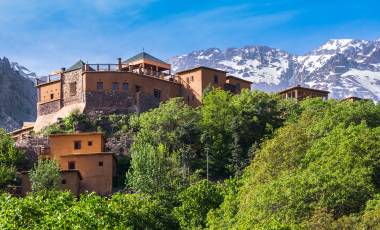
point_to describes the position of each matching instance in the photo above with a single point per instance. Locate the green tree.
(234, 125)
(45, 175)
(10, 159)
(175, 125)
(327, 159)
(196, 201)
(154, 170)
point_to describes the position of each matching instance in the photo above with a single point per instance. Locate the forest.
(247, 161)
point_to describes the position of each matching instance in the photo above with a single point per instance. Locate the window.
(100, 163)
(71, 165)
(125, 86)
(73, 88)
(188, 80)
(138, 88)
(238, 86)
(90, 143)
(192, 78)
(51, 96)
(63, 181)
(157, 93)
(216, 79)
(99, 86)
(115, 86)
(193, 98)
(77, 144)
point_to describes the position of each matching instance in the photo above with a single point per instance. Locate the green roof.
(144, 56)
(78, 65)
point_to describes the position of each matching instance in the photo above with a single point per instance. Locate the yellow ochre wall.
(64, 144)
(49, 88)
(94, 177)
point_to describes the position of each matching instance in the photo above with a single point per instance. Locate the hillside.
(17, 95)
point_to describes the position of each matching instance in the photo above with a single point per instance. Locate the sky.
(45, 35)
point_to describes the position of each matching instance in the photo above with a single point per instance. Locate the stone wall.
(115, 102)
(72, 87)
(146, 102)
(48, 107)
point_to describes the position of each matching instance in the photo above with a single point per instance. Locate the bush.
(45, 175)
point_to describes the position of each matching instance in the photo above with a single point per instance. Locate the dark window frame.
(115, 86)
(77, 145)
(100, 163)
(157, 93)
(71, 165)
(216, 79)
(125, 86)
(100, 86)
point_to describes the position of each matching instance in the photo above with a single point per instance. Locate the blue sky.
(44, 35)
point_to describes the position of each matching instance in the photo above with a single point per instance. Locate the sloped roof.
(144, 56)
(78, 65)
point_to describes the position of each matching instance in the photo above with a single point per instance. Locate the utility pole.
(207, 162)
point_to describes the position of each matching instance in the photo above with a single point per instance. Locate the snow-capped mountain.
(346, 67)
(17, 95)
(23, 71)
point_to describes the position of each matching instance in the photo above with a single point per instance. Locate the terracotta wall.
(236, 81)
(192, 90)
(208, 78)
(49, 89)
(147, 84)
(64, 144)
(196, 81)
(70, 181)
(96, 171)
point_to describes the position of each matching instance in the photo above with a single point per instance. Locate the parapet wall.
(48, 107)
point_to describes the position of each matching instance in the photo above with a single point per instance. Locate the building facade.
(299, 93)
(85, 167)
(134, 85)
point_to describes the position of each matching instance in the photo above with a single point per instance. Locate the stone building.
(134, 85)
(298, 92)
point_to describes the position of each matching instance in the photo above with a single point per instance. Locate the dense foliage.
(324, 165)
(248, 161)
(10, 159)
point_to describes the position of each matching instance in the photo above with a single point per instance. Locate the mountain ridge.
(17, 95)
(346, 67)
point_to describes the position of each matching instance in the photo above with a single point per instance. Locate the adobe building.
(134, 85)
(299, 93)
(353, 99)
(84, 164)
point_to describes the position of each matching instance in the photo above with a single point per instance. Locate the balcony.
(122, 68)
(48, 79)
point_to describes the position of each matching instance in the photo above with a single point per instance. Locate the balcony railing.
(120, 68)
(48, 78)
(101, 67)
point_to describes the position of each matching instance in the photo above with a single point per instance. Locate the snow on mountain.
(346, 67)
(23, 71)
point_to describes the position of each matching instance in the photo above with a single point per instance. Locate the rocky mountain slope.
(17, 95)
(346, 67)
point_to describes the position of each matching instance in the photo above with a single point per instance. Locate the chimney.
(119, 64)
